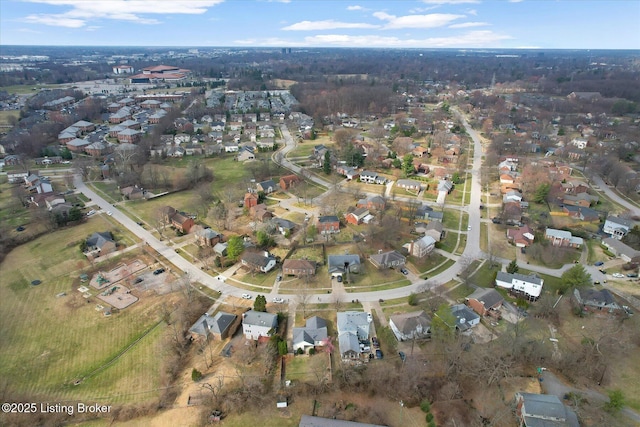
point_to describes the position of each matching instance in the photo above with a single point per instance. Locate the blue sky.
(543, 24)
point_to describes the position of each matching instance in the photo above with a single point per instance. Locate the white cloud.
(355, 7)
(449, 1)
(472, 12)
(329, 24)
(473, 39)
(433, 20)
(82, 11)
(469, 25)
(515, 1)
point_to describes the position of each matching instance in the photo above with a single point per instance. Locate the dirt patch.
(123, 271)
(118, 296)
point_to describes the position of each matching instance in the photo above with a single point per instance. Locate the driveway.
(551, 384)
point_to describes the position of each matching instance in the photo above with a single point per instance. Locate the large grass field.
(49, 341)
(8, 117)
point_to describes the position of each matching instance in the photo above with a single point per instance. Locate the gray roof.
(487, 296)
(268, 183)
(309, 421)
(220, 247)
(285, 223)
(408, 183)
(260, 318)
(207, 233)
(594, 297)
(508, 277)
(445, 185)
(348, 341)
(328, 218)
(385, 258)
(316, 331)
(316, 322)
(409, 322)
(368, 174)
(353, 321)
(97, 240)
(337, 262)
(620, 221)
(620, 247)
(217, 324)
(541, 409)
(255, 258)
(463, 315)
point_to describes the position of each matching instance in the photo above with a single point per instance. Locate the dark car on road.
(598, 264)
(158, 271)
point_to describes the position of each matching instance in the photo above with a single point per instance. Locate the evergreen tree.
(513, 267)
(260, 304)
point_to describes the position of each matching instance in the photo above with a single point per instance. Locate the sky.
(522, 24)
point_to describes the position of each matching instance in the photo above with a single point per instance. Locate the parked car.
(91, 212)
(369, 317)
(339, 278)
(496, 220)
(375, 342)
(598, 264)
(246, 296)
(603, 271)
(138, 280)
(618, 275)
(158, 271)
(404, 271)
(378, 354)
(403, 356)
(20, 228)
(469, 228)
(278, 300)
(632, 275)
(279, 277)
(109, 213)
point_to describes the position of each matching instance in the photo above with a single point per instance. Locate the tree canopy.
(235, 246)
(513, 267)
(260, 304)
(575, 277)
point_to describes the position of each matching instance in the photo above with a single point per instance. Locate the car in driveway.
(278, 300)
(91, 212)
(246, 296)
(375, 342)
(158, 271)
(598, 264)
(618, 275)
(109, 213)
(369, 318)
(138, 280)
(379, 354)
(404, 271)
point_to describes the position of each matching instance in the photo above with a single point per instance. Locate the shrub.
(425, 406)
(412, 299)
(196, 375)
(431, 424)
(299, 351)
(429, 417)
(312, 351)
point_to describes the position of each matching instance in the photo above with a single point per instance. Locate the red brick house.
(328, 224)
(289, 181)
(250, 200)
(182, 222)
(298, 267)
(356, 216)
(484, 301)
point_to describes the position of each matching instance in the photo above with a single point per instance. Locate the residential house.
(616, 227)
(512, 196)
(207, 237)
(444, 188)
(372, 203)
(231, 147)
(372, 178)
(356, 217)
(519, 284)
(409, 326)
(313, 334)
(420, 151)
(266, 143)
(250, 200)
(38, 184)
(620, 249)
(342, 264)
(353, 327)
(182, 222)
(289, 181)
(563, 238)
(130, 136)
(328, 224)
(596, 301)
(542, 410)
(100, 243)
(256, 324)
(298, 267)
(267, 186)
(245, 154)
(581, 213)
(409, 185)
(421, 247)
(77, 145)
(390, 259)
(54, 200)
(285, 227)
(435, 230)
(133, 192)
(98, 148)
(217, 326)
(220, 249)
(485, 301)
(580, 199)
(18, 176)
(258, 261)
(347, 171)
(521, 237)
(260, 213)
(465, 317)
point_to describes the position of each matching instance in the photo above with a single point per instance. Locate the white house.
(408, 326)
(581, 143)
(421, 247)
(444, 188)
(258, 261)
(616, 227)
(256, 324)
(312, 335)
(529, 286)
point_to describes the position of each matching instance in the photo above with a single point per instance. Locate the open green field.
(49, 341)
(422, 265)
(26, 89)
(9, 117)
(448, 244)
